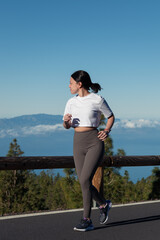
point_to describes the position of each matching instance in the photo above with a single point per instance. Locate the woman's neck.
(83, 92)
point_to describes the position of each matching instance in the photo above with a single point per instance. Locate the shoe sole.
(83, 230)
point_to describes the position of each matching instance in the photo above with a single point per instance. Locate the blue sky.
(42, 42)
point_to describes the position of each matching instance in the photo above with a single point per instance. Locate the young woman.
(83, 113)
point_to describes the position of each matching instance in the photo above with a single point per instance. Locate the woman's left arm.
(110, 123)
(102, 135)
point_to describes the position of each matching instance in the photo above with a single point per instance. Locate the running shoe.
(104, 212)
(84, 225)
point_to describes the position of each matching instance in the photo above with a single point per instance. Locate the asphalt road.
(136, 222)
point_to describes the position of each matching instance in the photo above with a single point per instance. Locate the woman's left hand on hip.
(102, 135)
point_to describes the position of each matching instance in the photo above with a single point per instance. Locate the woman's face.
(74, 86)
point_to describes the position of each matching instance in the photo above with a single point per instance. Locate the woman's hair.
(84, 78)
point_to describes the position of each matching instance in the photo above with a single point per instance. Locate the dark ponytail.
(84, 78)
(96, 87)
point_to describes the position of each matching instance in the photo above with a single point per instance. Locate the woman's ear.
(80, 84)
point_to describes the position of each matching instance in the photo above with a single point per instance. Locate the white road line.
(71, 210)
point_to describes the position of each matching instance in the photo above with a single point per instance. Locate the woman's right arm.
(67, 121)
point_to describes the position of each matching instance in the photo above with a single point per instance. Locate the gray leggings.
(88, 152)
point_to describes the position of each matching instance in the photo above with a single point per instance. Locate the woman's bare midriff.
(84, 129)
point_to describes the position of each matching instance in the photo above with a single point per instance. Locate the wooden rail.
(49, 162)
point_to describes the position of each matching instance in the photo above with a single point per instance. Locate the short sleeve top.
(86, 111)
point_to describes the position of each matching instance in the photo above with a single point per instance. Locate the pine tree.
(12, 184)
(113, 182)
(155, 192)
(14, 150)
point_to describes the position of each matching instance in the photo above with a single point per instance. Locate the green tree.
(14, 150)
(155, 192)
(113, 181)
(72, 189)
(12, 184)
(57, 193)
(108, 144)
(120, 152)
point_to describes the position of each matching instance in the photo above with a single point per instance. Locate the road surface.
(129, 222)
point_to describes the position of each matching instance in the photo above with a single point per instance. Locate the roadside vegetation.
(25, 191)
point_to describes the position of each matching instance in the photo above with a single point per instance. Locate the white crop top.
(86, 111)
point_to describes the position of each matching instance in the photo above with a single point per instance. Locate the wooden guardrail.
(49, 162)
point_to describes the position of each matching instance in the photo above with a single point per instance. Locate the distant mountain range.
(46, 124)
(44, 135)
(30, 120)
